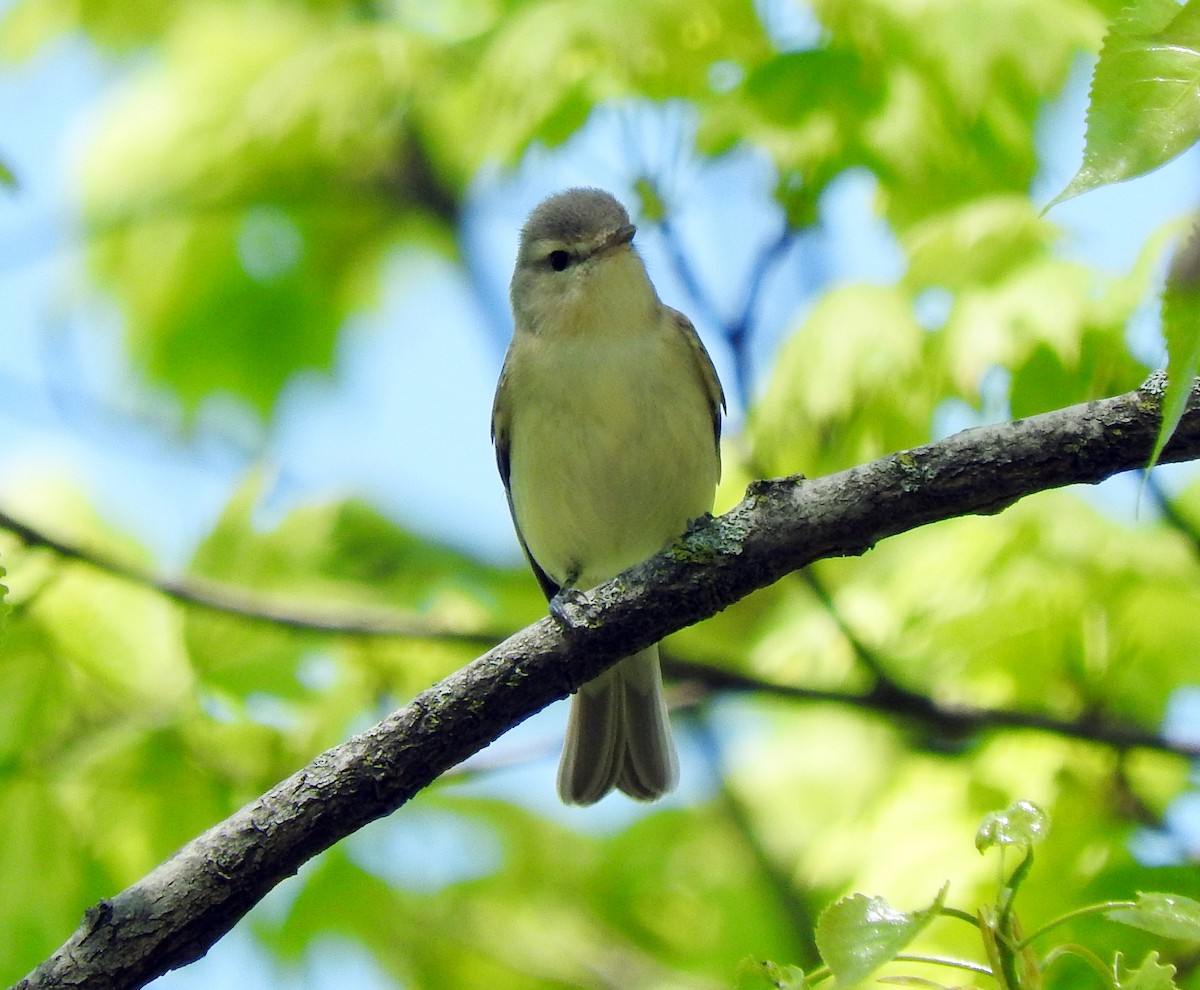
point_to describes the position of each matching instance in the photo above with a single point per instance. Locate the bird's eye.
(559, 260)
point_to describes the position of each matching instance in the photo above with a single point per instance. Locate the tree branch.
(886, 696)
(1171, 513)
(949, 721)
(174, 914)
(218, 597)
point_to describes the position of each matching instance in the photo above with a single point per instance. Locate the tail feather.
(619, 735)
(588, 766)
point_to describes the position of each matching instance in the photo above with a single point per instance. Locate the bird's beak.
(619, 237)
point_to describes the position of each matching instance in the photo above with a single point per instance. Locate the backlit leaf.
(1145, 99)
(1150, 975)
(858, 934)
(1168, 915)
(1181, 327)
(1022, 823)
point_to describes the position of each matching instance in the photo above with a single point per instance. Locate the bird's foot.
(565, 598)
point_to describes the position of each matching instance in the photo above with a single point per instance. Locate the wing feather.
(706, 373)
(500, 437)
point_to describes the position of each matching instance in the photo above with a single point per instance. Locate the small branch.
(886, 697)
(866, 656)
(955, 721)
(1062, 919)
(960, 915)
(738, 332)
(1171, 513)
(776, 877)
(252, 607)
(174, 914)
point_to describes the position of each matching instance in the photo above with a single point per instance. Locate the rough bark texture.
(174, 914)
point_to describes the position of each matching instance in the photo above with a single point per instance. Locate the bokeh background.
(253, 301)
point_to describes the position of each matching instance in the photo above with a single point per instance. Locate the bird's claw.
(562, 599)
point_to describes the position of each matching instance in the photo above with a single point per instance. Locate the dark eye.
(559, 260)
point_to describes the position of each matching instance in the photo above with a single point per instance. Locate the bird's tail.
(619, 735)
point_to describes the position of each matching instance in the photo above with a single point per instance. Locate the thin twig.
(800, 921)
(956, 721)
(865, 655)
(737, 332)
(885, 697)
(252, 607)
(1166, 505)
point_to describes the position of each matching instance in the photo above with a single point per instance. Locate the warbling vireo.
(607, 423)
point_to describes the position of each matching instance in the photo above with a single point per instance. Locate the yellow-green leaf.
(1145, 100)
(1022, 823)
(1168, 915)
(1150, 975)
(1181, 328)
(858, 934)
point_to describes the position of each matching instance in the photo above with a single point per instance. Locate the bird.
(607, 427)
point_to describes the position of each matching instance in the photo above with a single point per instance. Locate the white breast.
(612, 449)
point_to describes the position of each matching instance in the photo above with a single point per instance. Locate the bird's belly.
(609, 467)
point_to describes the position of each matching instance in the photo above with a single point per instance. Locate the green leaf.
(1145, 94)
(1022, 823)
(1150, 975)
(1181, 328)
(4, 605)
(806, 109)
(651, 205)
(8, 178)
(850, 384)
(762, 974)
(335, 560)
(48, 876)
(977, 243)
(548, 65)
(31, 24)
(1073, 315)
(1168, 915)
(236, 258)
(858, 934)
(961, 86)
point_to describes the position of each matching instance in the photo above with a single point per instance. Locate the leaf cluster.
(859, 935)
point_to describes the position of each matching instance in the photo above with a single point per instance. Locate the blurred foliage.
(860, 935)
(242, 181)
